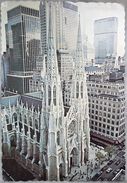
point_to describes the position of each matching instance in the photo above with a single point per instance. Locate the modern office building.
(66, 21)
(5, 68)
(23, 40)
(105, 38)
(107, 111)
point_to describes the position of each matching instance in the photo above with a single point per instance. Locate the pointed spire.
(52, 68)
(50, 33)
(79, 38)
(79, 51)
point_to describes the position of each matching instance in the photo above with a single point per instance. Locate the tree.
(109, 149)
(100, 156)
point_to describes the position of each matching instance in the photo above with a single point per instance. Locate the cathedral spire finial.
(79, 38)
(50, 33)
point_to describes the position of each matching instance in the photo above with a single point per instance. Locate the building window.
(77, 90)
(103, 125)
(7, 119)
(92, 116)
(25, 119)
(113, 117)
(103, 131)
(100, 107)
(108, 121)
(49, 95)
(113, 122)
(82, 90)
(108, 132)
(96, 112)
(116, 134)
(99, 129)
(104, 108)
(54, 95)
(112, 134)
(108, 127)
(112, 128)
(58, 138)
(100, 118)
(104, 119)
(113, 110)
(109, 109)
(117, 123)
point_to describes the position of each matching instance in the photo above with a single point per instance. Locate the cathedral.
(36, 131)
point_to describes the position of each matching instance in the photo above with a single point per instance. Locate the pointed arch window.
(20, 117)
(7, 119)
(58, 137)
(54, 95)
(14, 117)
(30, 122)
(77, 90)
(49, 95)
(81, 89)
(36, 124)
(25, 119)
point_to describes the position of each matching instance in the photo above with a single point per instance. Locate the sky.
(89, 12)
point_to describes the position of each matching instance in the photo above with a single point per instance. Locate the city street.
(116, 164)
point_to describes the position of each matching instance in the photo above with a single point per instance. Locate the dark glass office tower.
(23, 31)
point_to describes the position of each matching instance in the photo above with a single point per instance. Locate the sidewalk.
(83, 173)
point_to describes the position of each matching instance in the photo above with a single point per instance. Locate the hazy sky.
(89, 12)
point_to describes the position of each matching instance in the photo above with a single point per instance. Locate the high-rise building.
(66, 20)
(105, 38)
(23, 40)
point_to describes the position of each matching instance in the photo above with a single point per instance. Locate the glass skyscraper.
(66, 21)
(105, 38)
(23, 40)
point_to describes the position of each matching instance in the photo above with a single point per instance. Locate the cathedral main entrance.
(61, 172)
(74, 157)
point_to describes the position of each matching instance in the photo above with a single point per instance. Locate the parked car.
(117, 162)
(110, 162)
(109, 170)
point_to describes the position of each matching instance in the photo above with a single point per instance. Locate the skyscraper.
(23, 39)
(105, 38)
(66, 20)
